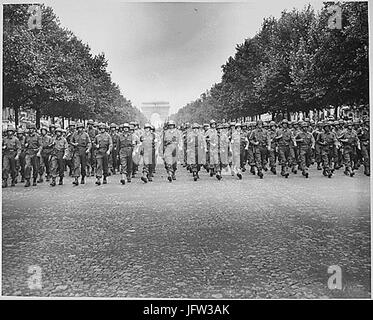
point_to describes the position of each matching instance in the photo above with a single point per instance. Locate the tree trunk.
(336, 115)
(38, 116)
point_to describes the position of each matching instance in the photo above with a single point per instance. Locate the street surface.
(270, 238)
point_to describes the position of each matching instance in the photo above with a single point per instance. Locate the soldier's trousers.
(44, 164)
(91, 161)
(113, 160)
(296, 156)
(318, 153)
(147, 170)
(57, 165)
(20, 164)
(365, 152)
(272, 158)
(305, 157)
(125, 158)
(9, 165)
(260, 155)
(348, 156)
(286, 156)
(102, 161)
(250, 156)
(328, 156)
(79, 163)
(32, 162)
(242, 156)
(195, 167)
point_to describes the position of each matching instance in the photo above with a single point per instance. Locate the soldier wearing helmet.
(91, 159)
(81, 142)
(328, 142)
(33, 145)
(47, 143)
(317, 154)
(363, 135)
(260, 140)
(196, 150)
(172, 145)
(52, 129)
(125, 144)
(306, 144)
(20, 163)
(286, 142)
(296, 129)
(113, 163)
(238, 142)
(212, 154)
(272, 153)
(350, 141)
(58, 154)
(103, 144)
(147, 150)
(11, 152)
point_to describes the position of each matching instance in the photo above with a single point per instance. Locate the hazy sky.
(167, 51)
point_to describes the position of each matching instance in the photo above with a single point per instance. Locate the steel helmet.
(59, 129)
(171, 123)
(212, 121)
(80, 125)
(90, 121)
(52, 125)
(147, 125)
(11, 128)
(113, 125)
(195, 125)
(285, 121)
(102, 125)
(20, 131)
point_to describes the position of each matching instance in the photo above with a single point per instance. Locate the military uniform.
(91, 161)
(124, 145)
(11, 150)
(364, 137)
(20, 163)
(260, 140)
(82, 144)
(285, 140)
(103, 143)
(350, 141)
(171, 141)
(328, 142)
(58, 153)
(33, 146)
(306, 144)
(47, 142)
(196, 151)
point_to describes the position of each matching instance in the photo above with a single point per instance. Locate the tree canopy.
(53, 72)
(294, 63)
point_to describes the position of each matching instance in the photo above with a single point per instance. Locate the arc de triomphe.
(156, 112)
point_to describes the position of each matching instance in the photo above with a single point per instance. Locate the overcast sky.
(167, 51)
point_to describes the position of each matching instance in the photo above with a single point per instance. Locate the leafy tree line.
(52, 72)
(296, 63)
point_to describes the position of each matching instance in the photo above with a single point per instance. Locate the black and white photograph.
(186, 150)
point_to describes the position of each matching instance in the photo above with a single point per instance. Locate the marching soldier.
(125, 144)
(148, 141)
(171, 144)
(69, 160)
(82, 144)
(206, 128)
(223, 149)
(272, 153)
(328, 142)
(364, 137)
(306, 144)
(285, 140)
(20, 163)
(47, 143)
(238, 143)
(33, 145)
(11, 152)
(260, 140)
(212, 148)
(58, 154)
(318, 129)
(91, 160)
(350, 141)
(196, 150)
(103, 144)
(114, 154)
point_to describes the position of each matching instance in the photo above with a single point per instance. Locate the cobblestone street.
(270, 238)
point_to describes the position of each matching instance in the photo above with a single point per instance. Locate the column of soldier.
(100, 150)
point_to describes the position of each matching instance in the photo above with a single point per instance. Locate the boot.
(239, 175)
(22, 179)
(286, 172)
(129, 179)
(169, 177)
(352, 173)
(15, 180)
(53, 183)
(27, 183)
(82, 181)
(218, 176)
(265, 168)
(211, 173)
(260, 174)
(325, 172)
(319, 166)
(252, 169)
(47, 178)
(195, 178)
(149, 176)
(243, 169)
(173, 176)
(294, 170)
(197, 175)
(60, 182)
(273, 170)
(144, 178)
(104, 181)
(76, 182)
(367, 171)
(283, 171)
(5, 183)
(123, 180)
(305, 173)
(34, 182)
(40, 179)
(13, 184)
(98, 181)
